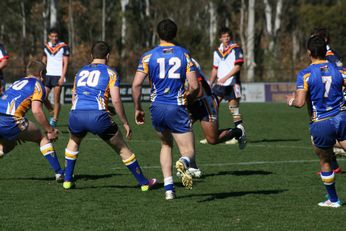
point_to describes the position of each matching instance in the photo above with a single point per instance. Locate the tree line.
(272, 33)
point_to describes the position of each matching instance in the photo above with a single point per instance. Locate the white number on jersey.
(18, 85)
(327, 80)
(89, 78)
(174, 62)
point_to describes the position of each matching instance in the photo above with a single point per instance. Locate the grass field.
(271, 185)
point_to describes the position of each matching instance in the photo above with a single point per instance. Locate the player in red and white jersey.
(56, 56)
(3, 63)
(228, 59)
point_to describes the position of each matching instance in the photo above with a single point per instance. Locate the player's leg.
(48, 89)
(113, 137)
(324, 134)
(71, 155)
(186, 146)
(166, 163)
(233, 106)
(57, 91)
(328, 177)
(33, 134)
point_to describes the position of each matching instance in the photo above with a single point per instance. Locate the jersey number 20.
(89, 78)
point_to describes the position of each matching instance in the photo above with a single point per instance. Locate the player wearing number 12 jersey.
(93, 86)
(168, 66)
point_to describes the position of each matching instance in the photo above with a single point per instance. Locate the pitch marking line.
(240, 163)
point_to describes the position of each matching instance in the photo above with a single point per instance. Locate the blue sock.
(328, 179)
(186, 160)
(48, 152)
(133, 165)
(168, 184)
(70, 160)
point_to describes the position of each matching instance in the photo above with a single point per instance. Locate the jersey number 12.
(174, 63)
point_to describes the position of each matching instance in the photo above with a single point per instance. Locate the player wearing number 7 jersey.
(168, 66)
(320, 86)
(93, 85)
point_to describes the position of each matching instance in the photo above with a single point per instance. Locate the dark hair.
(225, 30)
(35, 67)
(322, 32)
(167, 30)
(317, 46)
(100, 50)
(53, 30)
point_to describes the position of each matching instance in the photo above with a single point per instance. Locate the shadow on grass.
(157, 186)
(238, 173)
(95, 177)
(77, 177)
(272, 140)
(225, 195)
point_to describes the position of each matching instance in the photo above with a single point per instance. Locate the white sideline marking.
(248, 144)
(240, 163)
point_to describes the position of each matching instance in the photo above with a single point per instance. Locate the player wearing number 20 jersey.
(91, 93)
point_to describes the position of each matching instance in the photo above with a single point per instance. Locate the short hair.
(317, 46)
(225, 30)
(35, 67)
(322, 32)
(167, 29)
(53, 30)
(100, 50)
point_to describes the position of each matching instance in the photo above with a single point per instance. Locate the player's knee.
(211, 140)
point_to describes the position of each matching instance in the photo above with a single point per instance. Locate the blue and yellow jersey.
(167, 66)
(16, 100)
(92, 86)
(333, 57)
(323, 82)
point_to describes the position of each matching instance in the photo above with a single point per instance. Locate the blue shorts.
(10, 127)
(97, 122)
(173, 118)
(324, 133)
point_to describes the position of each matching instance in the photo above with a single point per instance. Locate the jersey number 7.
(327, 80)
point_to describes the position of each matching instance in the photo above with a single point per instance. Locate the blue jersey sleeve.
(190, 66)
(143, 65)
(66, 51)
(114, 80)
(302, 80)
(239, 56)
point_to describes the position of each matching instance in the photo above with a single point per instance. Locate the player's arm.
(119, 108)
(64, 70)
(136, 96)
(40, 117)
(3, 63)
(213, 75)
(44, 58)
(234, 71)
(194, 87)
(297, 99)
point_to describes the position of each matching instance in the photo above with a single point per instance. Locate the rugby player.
(24, 94)
(228, 59)
(320, 86)
(168, 66)
(56, 56)
(93, 85)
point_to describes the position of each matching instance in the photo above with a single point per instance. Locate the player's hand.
(61, 80)
(289, 99)
(139, 117)
(222, 81)
(53, 134)
(128, 131)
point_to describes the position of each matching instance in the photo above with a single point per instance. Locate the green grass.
(254, 189)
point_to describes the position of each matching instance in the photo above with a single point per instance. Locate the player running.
(168, 66)
(93, 86)
(320, 86)
(26, 93)
(205, 110)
